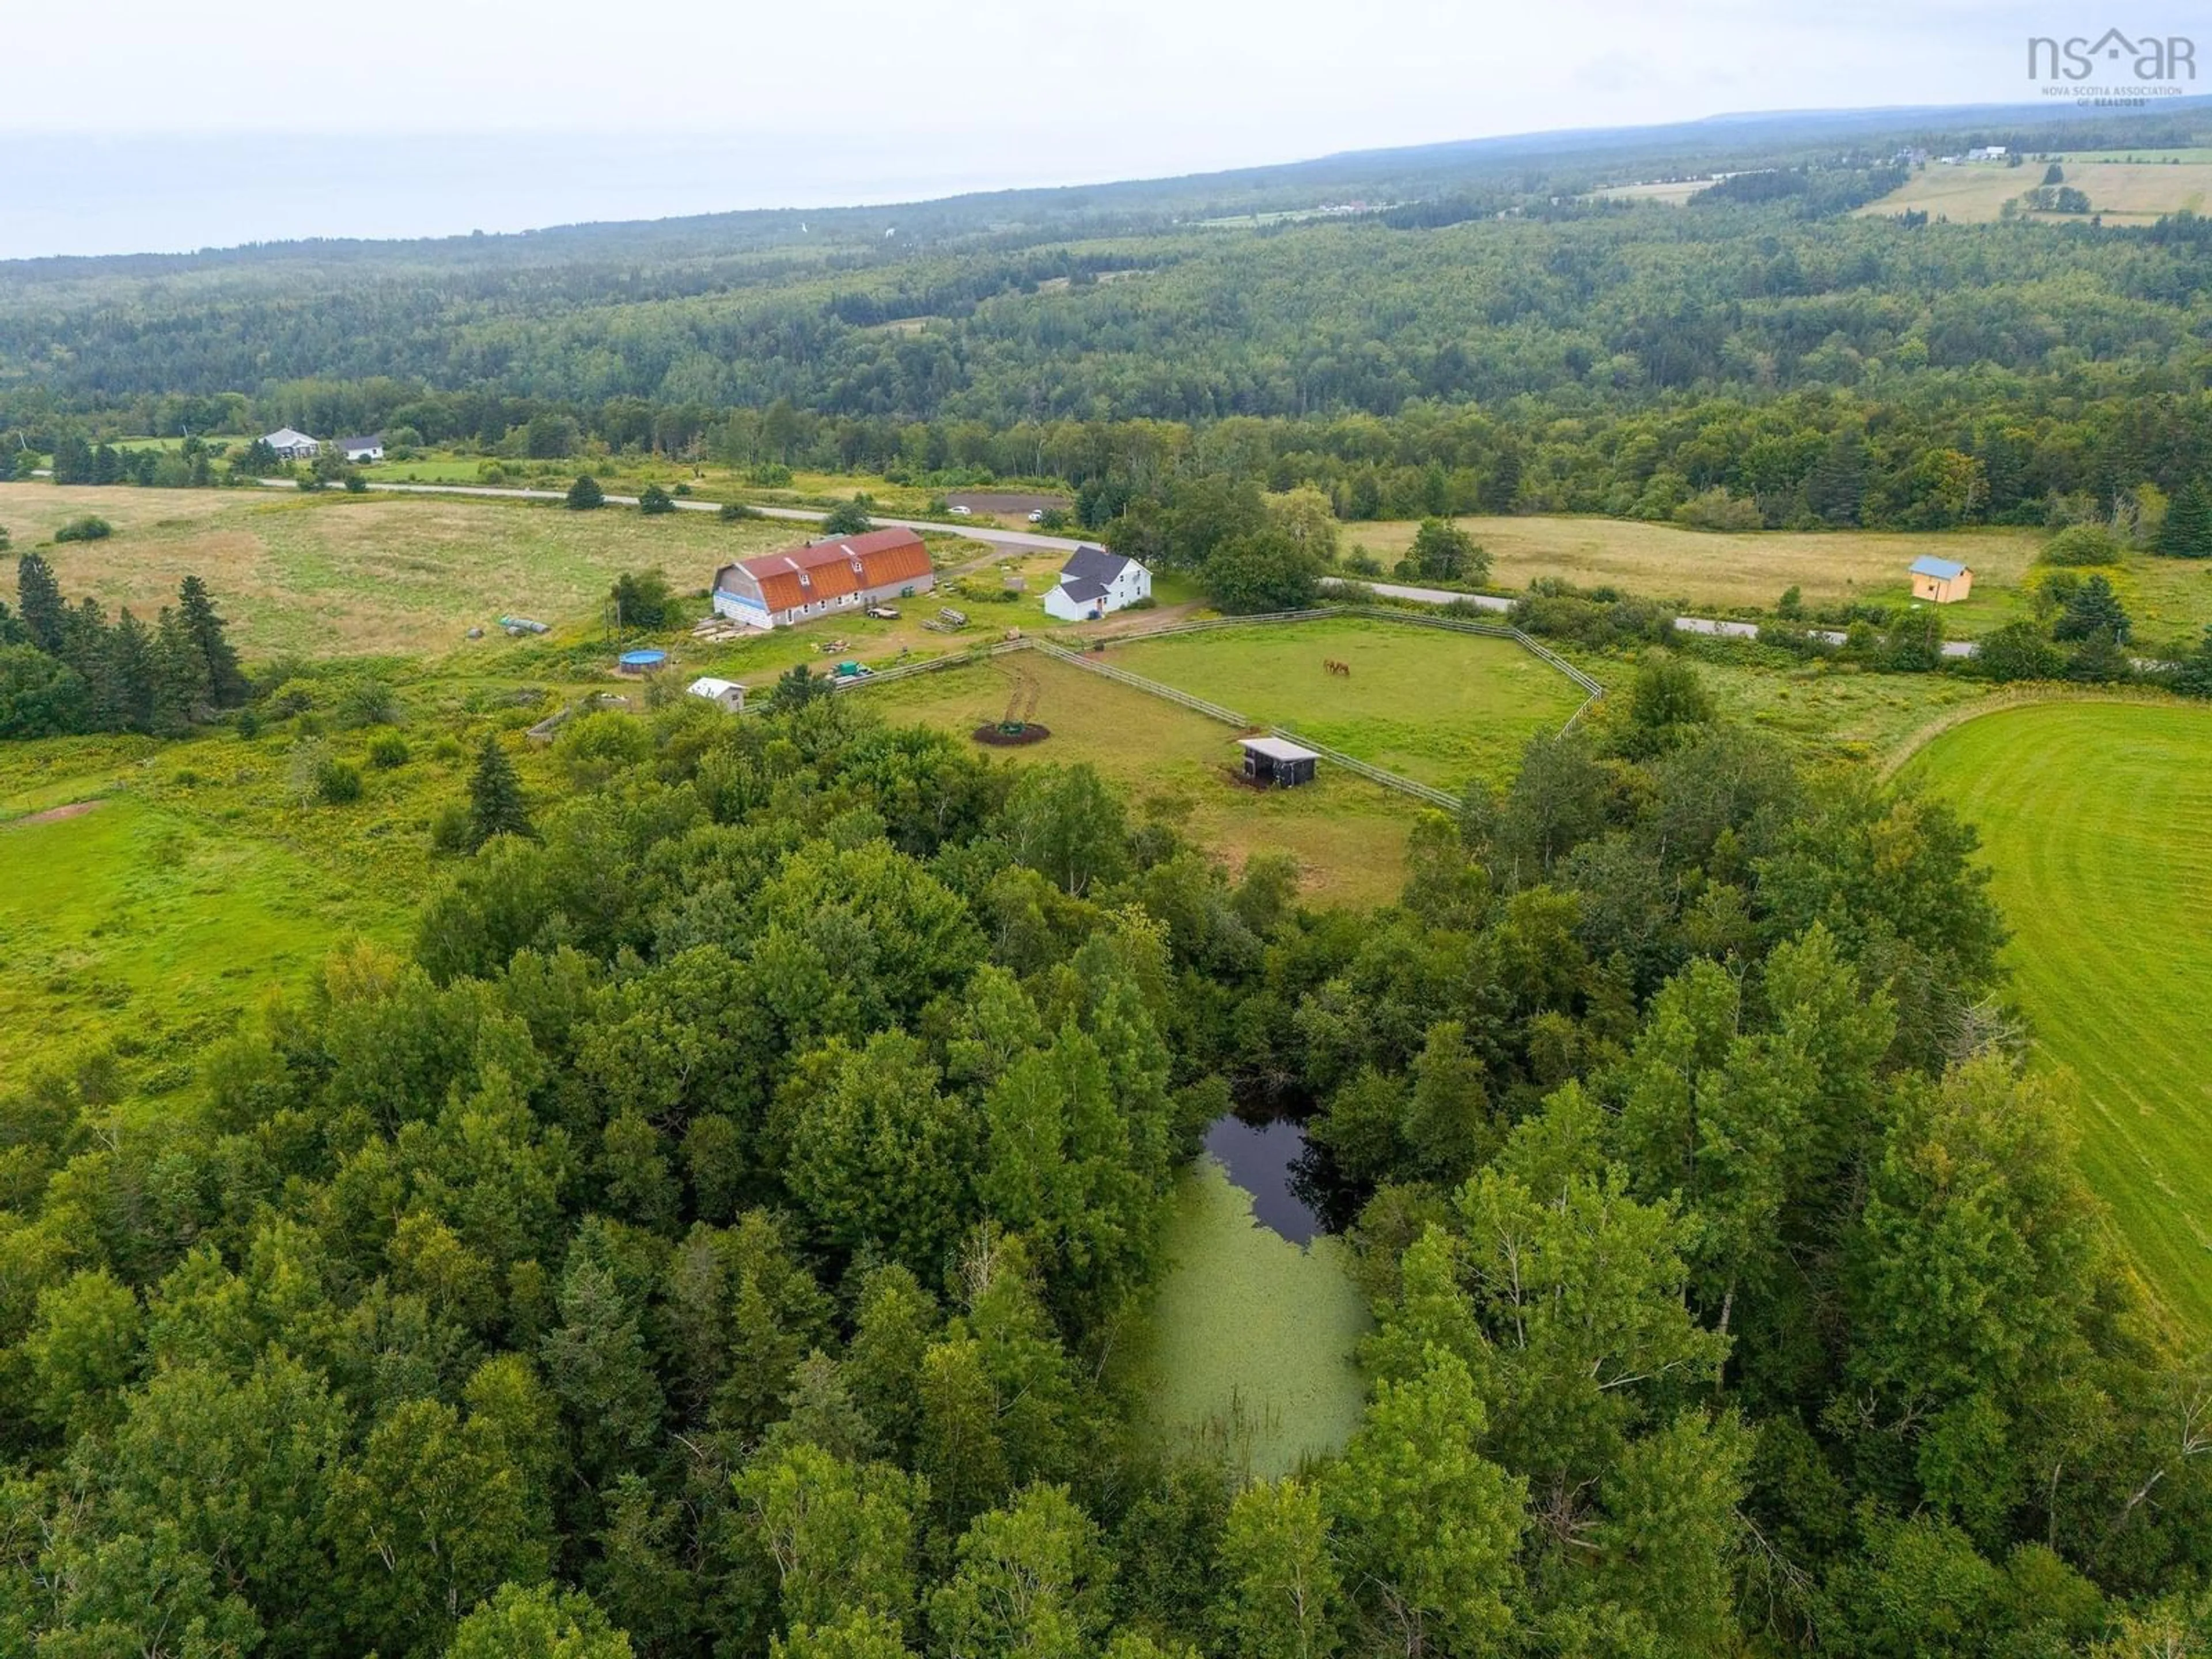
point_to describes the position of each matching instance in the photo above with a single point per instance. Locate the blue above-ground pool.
(637, 662)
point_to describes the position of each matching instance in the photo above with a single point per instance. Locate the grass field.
(2096, 819)
(1672, 193)
(1436, 707)
(1823, 708)
(1721, 571)
(135, 924)
(2123, 191)
(1248, 1347)
(198, 881)
(1718, 569)
(1347, 835)
(331, 574)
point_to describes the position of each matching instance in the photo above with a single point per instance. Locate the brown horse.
(1331, 665)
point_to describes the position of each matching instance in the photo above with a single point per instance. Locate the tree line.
(1935, 458)
(67, 668)
(709, 1237)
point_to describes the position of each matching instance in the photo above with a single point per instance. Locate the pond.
(1296, 1192)
(1247, 1351)
(1262, 1158)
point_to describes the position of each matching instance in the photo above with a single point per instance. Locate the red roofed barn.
(800, 583)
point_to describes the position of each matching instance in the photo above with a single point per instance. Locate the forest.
(709, 1238)
(1729, 366)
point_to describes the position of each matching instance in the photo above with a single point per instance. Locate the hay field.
(338, 574)
(1673, 192)
(2124, 192)
(1716, 569)
(2096, 819)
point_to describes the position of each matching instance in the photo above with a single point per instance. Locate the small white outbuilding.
(725, 694)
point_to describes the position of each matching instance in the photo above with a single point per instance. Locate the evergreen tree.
(2193, 678)
(87, 645)
(1837, 485)
(107, 466)
(177, 688)
(131, 674)
(2093, 607)
(39, 597)
(2187, 531)
(2099, 660)
(1502, 484)
(72, 460)
(495, 803)
(585, 494)
(227, 683)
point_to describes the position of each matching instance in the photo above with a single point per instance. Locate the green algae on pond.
(1247, 1349)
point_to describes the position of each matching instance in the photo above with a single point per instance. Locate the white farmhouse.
(1094, 583)
(291, 445)
(358, 450)
(724, 693)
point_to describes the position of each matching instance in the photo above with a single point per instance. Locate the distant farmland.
(2123, 192)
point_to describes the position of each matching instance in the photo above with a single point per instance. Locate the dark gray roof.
(374, 441)
(1093, 564)
(1082, 590)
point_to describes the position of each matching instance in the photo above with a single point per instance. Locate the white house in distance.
(1094, 582)
(358, 450)
(723, 693)
(291, 445)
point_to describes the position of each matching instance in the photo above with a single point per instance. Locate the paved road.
(1421, 595)
(1037, 540)
(1714, 626)
(1027, 538)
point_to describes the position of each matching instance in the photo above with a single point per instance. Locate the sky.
(162, 130)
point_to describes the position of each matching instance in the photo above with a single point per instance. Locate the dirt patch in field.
(75, 809)
(1004, 500)
(1000, 736)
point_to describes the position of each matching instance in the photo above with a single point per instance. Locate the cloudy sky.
(161, 128)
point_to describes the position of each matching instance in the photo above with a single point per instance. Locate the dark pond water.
(1268, 1158)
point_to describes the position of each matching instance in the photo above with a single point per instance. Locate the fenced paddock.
(1422, 720)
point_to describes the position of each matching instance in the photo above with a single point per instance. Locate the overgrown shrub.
(643, 599)
(388, 750)
(292, 697)
(732, 511)
(89, 528)
(450, 828)
(367, 700)
(338, 783)
(1601, 618)
(2018, 651)
(2081, 544)
(1716, 510)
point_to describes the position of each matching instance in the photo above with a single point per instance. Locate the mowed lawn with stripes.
(2096, 821)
